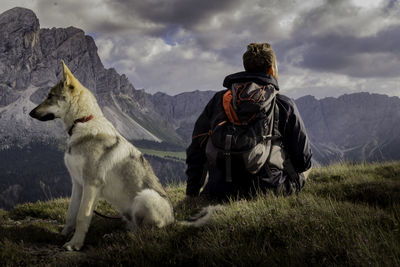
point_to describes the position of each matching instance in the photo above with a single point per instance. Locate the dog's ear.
(68, 77)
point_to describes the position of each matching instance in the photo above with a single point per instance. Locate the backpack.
(246, 131)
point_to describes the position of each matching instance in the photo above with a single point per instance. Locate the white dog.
(101, 163)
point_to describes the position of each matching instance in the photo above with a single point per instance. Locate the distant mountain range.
(355, 127)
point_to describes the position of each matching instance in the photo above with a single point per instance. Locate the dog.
(102, 163)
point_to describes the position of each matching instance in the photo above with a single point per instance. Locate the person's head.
(260, 58)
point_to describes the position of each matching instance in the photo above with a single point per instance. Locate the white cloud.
(367, 4)
(8, 4)
(157, 66)
(105, 47)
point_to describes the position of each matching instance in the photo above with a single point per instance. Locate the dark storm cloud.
(174, 12)
(371, 56)
(228, 33)
(329, 39)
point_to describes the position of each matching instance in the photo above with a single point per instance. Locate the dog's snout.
(42, 117)
(33, 113)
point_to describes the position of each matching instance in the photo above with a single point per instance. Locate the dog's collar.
(82, 120)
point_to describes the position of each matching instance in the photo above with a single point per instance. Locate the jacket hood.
(259, 78)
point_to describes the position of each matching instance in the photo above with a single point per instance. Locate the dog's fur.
(102, 163)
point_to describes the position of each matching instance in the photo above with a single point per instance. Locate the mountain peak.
(19, 18)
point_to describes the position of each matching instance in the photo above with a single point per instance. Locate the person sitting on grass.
(249, 137)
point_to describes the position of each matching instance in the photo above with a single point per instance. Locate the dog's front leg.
(73, 209)
(89, 199)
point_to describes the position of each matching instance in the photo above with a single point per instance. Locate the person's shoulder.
(214, 102)
(220, 93)
(285, 102)
(217, 96)
(284, 99)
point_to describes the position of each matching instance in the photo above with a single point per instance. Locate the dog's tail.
(202, 217)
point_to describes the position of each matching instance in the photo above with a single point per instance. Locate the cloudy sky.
(324, 47)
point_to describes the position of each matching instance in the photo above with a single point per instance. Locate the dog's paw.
(71, 246)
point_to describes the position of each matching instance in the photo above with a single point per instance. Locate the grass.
(177, 156)
(348, 214)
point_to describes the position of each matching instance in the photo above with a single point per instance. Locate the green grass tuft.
(3, 215)
(12, 254)
(53, 209)
(172, 155)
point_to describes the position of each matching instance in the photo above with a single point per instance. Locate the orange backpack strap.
(229, 110)
(204, 135)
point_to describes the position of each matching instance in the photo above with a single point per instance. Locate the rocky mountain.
(355, 127)
(181, 110)
(30, 65)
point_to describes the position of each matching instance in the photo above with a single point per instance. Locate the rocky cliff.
(30, 65)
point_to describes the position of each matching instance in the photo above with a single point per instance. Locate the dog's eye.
(49, 96)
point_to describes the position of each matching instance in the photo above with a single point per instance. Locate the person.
(286, 177)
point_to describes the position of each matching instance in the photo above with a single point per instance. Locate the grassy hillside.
(347, 215)
(172, 155)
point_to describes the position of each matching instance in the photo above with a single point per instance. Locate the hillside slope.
(348, 215)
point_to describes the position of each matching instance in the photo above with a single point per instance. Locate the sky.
(324, 47)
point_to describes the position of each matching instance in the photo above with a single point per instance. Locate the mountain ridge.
(353, 127)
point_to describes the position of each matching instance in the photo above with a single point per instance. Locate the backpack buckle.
(267, 137)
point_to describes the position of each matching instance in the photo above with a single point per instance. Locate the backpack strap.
(276, 132)
(234, 95)
(270, 138)
(273, 131)
(228, 159)
(228, 108)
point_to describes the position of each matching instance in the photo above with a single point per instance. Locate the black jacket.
(290, 126)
